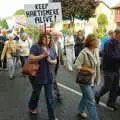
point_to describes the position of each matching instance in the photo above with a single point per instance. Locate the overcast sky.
(9, 7)
(111, 2)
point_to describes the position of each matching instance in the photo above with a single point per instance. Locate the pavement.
(15, 94)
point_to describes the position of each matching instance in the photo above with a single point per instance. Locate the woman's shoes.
(83, 115)
(35, 112)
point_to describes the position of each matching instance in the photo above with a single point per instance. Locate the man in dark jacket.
(111, 65)
(79, 42)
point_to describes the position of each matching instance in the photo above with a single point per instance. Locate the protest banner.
(45, 13)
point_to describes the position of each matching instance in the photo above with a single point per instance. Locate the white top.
(25, 47)
(69, 40)
(56, 48)
(30, 42)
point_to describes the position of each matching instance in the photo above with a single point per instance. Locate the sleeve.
(103, 41)
(54, 54)
(98, 74)
(79, 61)
(4, 51)
(33, 50)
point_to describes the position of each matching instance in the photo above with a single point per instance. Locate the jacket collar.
(91, 54)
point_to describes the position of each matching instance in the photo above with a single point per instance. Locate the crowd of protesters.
(82, 55)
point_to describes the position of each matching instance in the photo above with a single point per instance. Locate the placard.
(43, 13)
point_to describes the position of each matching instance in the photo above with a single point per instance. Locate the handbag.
(30, 68)
(84, 78)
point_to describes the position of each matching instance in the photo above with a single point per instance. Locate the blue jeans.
(87, 102)
(33, 103)
(11, 66)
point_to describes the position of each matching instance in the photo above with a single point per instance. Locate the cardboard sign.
(43, 13)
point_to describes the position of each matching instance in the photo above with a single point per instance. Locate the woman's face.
(80, 34)
(95, 43)
(46, 42)
(55, 37)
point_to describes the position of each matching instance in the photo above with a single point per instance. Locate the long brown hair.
(44, 35)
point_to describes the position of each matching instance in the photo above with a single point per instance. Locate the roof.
(116, 6)
(100, 1)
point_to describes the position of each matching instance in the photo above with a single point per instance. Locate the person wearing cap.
(111, 65)
(10, 47)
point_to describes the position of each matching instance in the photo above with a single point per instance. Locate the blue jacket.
(104, 41)
(44, 75)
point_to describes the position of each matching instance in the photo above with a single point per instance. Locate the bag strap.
(88, 58)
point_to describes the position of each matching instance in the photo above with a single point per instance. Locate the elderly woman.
(45, 56)
(9, 51)
(88, 65)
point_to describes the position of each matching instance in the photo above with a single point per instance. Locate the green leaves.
(4, 24)
(19, 12)
(81, 9)
(102, 22)
(102, 19)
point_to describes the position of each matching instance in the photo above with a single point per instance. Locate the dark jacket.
(2, 42)
(79, 45)
(111, 56)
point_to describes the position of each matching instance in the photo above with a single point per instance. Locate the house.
(91, 25)
(116, 9)
(103, 8)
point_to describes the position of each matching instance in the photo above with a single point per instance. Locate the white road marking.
(80, 94)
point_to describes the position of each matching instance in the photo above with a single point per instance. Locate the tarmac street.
(15, 94)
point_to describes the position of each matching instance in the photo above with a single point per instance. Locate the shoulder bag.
(84, 77)
(30, 68)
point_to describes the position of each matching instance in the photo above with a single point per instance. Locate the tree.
(81, 9)
(4, 24)
(19, 12)
(34, 31)
(102, 20)
(102, 23)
